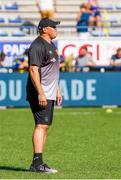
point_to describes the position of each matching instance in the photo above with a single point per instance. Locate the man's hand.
(42, 100)
(58, 97)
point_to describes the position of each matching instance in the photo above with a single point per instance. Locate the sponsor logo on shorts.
(46, 119)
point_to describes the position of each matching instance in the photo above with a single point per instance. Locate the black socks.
(37, 159)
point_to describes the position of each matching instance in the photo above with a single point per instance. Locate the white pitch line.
(79, 113)
(73, 113)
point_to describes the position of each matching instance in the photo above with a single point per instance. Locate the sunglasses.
(54, 27)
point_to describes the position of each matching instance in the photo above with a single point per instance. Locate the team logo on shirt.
(50, 52)
(53, 60)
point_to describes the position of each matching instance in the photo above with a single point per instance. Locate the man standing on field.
(42, 88)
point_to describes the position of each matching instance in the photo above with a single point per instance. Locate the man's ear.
(45, 30)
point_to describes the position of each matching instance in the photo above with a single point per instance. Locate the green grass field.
(83, 143)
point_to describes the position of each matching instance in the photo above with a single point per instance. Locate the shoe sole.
(34, 170)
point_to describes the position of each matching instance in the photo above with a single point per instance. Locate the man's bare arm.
(58, 97)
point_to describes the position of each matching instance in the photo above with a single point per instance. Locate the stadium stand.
(118, 6)
(17, 19)
(18, 33)
(11, 6)
(110, 14)
(14, 13)
(3, 33)
(2, 20)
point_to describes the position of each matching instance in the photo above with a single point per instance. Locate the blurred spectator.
(70, 63)
(46, 8)
(95, 17)
(116, 58)
(2, 58)
(83, 18)
(84, 59)
(62, 63)
(21, 62)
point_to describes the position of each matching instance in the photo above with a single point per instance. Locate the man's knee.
(42, 127)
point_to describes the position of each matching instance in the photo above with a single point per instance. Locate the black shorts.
(42, 115)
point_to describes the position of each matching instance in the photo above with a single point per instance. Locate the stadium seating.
(115, 32)
(107, 7)
(14, 13)
(97, 33)
(17, 19)
(18, 33)
(2, 20)
(3, 33)
(118, 6)
(11, 6)
(67, 14)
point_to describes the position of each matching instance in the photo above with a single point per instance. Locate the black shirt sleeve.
(35, 55)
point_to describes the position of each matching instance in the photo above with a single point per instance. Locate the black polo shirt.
(44, 55)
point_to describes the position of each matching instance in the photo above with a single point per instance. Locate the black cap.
(45, 22)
